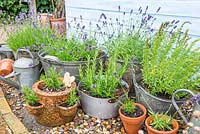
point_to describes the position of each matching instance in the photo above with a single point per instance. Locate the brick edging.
(16, 126)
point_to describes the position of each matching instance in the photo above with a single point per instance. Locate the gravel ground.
(82, 123)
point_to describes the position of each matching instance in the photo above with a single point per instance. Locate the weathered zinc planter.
(102, 108)
(152, 102)
(51, 114)
(61, 66)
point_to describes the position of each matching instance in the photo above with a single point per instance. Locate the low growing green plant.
(99, 81)
(170, 61)
(161, 122)
(128, 106)
(30, 96)
(73, 98)
(52, 80)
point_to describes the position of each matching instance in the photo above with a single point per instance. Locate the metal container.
(196, 107)
(61, 66)
(5, 52)
(27, 68)
(99, 107)
(153, 103)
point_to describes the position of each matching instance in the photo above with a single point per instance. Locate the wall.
(183, 10)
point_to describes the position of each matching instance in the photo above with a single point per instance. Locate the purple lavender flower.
(177, 21)
(196, 98)
(172, 21)
(119, 8)
(158, 9)
(93, 86)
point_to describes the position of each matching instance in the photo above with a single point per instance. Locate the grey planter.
(98, 107)
(152, 102)
(61, 66)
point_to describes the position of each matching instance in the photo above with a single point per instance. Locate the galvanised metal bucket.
(99, 107)
(61, 66)
(28, 69)
(5, 52)
(153, 103)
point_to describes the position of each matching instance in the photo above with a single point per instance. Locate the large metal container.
(28, 69)
(151, 102)
(99, 107)
(61, 66)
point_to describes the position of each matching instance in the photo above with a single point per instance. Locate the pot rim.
(6, 60)
(50, 94)
(57, 19)
(67, 108)
(79, 84)
(174, 123)
(155, 97)
(41, 55)
(134, 118)
(34, 107)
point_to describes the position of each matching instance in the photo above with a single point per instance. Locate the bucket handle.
(175, 104)
(23, 50)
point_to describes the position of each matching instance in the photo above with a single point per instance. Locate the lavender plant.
(99, 81)
(128, 34)
(28, 36)
(170, 61)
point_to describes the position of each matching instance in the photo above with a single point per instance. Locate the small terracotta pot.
(154, 131)
(132, 125)
(6, 67)
(34, 110)
(58, 25)
(68, 112)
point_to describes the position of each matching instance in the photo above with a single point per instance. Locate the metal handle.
(175, 104)
(23, 50)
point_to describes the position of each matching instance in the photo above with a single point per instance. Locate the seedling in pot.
(129, 109)
(73, 99)
(30, 96)
(52, 81)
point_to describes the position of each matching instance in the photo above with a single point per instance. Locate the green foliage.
(52, 80)
(9, 9)
(127, 44)
(170, 61)
(28, 36)
(73, 99)
(74, 49)
(44, 6)
(30, 96)
(128, 106)
(161, 122)
(99, 81)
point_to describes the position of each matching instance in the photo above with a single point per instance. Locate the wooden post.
(33, 10)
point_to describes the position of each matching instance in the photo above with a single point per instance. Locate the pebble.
(86, 117)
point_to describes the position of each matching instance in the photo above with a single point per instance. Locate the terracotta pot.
(154, 131)
(50, 100)
(58, 25)
(68, 112)
(44, 19)
(132, 125)
(6, 67)
(35, 110)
